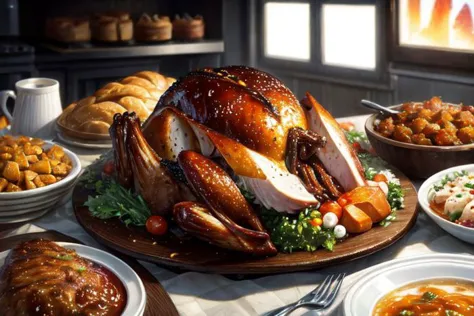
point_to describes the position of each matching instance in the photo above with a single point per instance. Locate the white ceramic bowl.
(386, 277)
(29, 204)
(425, 194)
(136, 295)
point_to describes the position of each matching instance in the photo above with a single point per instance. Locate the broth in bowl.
(436, 297)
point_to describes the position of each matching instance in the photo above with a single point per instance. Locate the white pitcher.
(36, 107)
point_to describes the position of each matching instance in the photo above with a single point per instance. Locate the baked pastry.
(93, 115)
(68, 30)
(112, 27)
(188, 28)
(42, 278)
(153, 28)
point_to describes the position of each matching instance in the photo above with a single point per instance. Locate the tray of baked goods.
(117, 28)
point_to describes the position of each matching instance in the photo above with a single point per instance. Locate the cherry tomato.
(356, 146)
(109, 167)
(316, 222)
(380, 178)
(156, 225)
(331, 207)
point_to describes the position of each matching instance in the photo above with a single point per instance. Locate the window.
(323, 39)
(348, 36)
(287, 30)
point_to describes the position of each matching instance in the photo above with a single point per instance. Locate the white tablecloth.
(205, 294)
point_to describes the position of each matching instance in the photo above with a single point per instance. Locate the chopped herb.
(459, 195)
(450, 312)
(469, 185)
(81, 269)
(64, 257)
(406, 312)
(295, 232)
(113, 200)
(448, 178)
(356, 137)
(429, 296)
(455, 216)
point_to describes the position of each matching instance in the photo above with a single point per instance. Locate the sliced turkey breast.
(338, 157)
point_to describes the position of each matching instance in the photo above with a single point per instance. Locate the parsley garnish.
(64, 257)
(455, 216)
(290, 232)
(429, 296)
(113, 200)
(449, 178)
(406, 312)
(469, 185)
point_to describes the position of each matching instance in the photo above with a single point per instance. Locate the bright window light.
(286, 30)
(348, 36)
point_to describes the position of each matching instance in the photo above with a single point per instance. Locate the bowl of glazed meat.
(424, 137)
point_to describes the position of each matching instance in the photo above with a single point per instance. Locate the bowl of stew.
(425, 137)
(439, 284)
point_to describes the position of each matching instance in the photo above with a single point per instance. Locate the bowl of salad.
(448, 198)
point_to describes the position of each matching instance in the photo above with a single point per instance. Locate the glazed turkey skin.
(40, 277)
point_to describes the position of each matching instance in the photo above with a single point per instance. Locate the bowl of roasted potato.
(424, 137)
(34, 176)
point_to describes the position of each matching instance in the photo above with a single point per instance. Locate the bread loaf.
(138, 93)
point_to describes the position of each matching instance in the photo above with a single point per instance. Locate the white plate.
(136, 295)
(425, 195)
(83, 143)
(391, 275)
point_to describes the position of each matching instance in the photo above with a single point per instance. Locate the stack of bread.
(91, 117)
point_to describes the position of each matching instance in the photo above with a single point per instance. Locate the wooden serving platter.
(196, 255)
(156, 297)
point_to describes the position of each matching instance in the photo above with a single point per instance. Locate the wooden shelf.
(55, 54)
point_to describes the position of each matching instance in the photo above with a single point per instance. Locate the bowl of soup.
(439, 284)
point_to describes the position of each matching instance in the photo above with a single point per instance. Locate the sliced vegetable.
(380, 177)
(355, 220)
(371, 200)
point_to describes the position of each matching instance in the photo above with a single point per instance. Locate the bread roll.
(112, 27)
(153, 28)
(138, 93)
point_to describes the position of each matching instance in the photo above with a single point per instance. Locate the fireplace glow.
(440, 24)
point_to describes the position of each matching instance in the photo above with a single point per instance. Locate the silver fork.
(321, 297)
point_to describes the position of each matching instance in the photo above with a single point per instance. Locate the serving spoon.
(374, 106)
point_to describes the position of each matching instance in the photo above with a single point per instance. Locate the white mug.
(36, 107)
